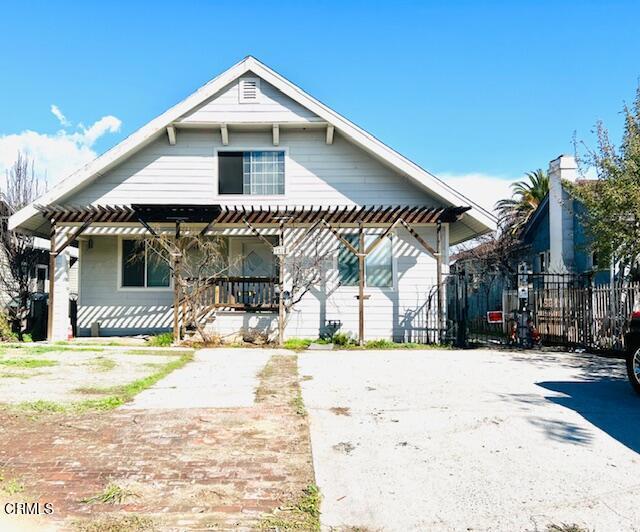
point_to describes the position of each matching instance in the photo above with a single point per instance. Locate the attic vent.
(249, 90)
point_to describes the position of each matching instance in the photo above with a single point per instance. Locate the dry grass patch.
(112, 494)
(115, 523)
(27, 363)
(301, 514)
(101, 363)
(566, 527)
(279, 381)
(10, 486)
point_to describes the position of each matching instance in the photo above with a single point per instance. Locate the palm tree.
(527, 195)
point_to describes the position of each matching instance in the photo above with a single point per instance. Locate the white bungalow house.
(252, 157)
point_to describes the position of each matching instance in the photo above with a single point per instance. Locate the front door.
(257, 258)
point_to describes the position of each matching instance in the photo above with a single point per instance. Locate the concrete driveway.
(473, 440)
(215, 378)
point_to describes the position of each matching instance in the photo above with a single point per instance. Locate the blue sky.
(481, 91)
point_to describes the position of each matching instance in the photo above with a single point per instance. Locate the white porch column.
(61, 322)
(564, 168)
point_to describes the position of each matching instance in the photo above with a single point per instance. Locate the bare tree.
(22, 186)
(306, 267)
(195, 262)
(490, 254)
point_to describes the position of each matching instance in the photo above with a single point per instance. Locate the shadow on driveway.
(607, 403)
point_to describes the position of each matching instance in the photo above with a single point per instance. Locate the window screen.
(263, 172)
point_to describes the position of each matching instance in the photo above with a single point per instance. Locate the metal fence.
(568, 310)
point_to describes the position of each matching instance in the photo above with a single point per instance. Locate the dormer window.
(249, 90)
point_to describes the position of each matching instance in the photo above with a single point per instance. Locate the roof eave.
(355, 134)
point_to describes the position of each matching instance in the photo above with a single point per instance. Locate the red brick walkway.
(194, 468)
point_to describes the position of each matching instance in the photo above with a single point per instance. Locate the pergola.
(309, 218)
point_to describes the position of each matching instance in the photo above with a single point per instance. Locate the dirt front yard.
(160, 468)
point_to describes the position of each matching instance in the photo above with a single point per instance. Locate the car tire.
(633, 369)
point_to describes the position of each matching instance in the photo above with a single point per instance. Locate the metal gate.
(565, 309)
(477, 310)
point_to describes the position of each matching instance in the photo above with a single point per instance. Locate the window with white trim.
(378, 265)
(257, 173)
(42, 276)
(143, 266)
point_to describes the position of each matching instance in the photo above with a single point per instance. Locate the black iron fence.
(564, 309)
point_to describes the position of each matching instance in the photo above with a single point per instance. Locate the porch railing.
(243, 293)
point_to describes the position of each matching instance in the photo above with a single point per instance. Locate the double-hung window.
(378, 267)
(143, 266)
(257, 173)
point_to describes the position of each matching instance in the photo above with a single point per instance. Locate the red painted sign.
(495, 316)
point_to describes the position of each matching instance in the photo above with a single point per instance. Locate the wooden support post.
(361, 257)
(440, 307)
(52, 275)
(281, 285)
(176, 290)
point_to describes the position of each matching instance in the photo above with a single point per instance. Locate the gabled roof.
(541, 209)
(477, 219)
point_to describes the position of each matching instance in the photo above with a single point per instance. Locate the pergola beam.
(371, 215)
(343, 240)
(73, 236)
(257, 233)
(421, 240)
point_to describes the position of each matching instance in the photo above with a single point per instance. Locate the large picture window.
(378, 269)
(143, 266)
(256, 173)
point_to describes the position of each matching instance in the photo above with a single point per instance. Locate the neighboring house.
(554, 240)
(253, 158)
(40, 273)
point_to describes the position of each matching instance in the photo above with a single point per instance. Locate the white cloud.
(58, 114)
(59, 154)
(483, 189)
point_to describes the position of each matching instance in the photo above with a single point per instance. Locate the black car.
(632, 341)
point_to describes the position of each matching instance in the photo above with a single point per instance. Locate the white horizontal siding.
(273, 106)
(118, 311)
(400, 312)
(337, 174)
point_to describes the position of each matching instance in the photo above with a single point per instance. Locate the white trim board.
(27, 219)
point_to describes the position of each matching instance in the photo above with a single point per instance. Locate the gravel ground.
(73, 370)
(473, 440)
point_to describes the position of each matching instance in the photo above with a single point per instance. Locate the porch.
(266, 239)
